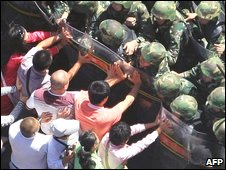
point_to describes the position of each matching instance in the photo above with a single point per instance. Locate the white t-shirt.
(28, 153)
(41, 106)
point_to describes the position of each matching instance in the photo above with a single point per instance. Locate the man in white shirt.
(29, 147)
(65, 137)
(114, 149)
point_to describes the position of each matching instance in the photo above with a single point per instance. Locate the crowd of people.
(180, 45)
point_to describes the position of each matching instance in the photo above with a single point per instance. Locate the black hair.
(42, 60)
(12, 41)
(87, 140)
(119, 133)
(98, 90)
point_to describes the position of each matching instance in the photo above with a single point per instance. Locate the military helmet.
(168, 85)
(219, 130)
(210, 68)
(87, 7)
(185, 106)
(112, 32)
(216, 99)
(164, 10)
(208, 9)
(125, 4)
(153, 53)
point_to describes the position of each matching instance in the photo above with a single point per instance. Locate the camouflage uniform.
(143, 27)
(214, 30)
(173, 35)
(209, 69)
(169, 86)
(83, 14)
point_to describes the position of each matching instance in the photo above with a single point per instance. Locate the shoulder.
(177, 26)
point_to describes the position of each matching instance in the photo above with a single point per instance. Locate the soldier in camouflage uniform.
(56, 10)
(219, 130)
(114, 35)
(151, 55)
(212, 24)
(133, 14)
(206, 76)
(169, 85)
(185, 107)
(172, 32)
(215, 107)
(83, 14)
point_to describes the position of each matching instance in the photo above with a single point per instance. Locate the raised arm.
(49, 41)
(77, 65)
(129, 99)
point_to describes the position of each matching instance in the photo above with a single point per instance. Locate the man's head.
(152, 53)
(29, 127)
(65, 129)
(216, 100)
(98, 92)
(208, 10)
(112, 32)
(219, 130)
(120, 133)
(185, 107)
(164, 10)
(86, 7)
(59, 80)
(120, 5)
(42, 60)
(210, 70)
(17, 33)
(168, 85)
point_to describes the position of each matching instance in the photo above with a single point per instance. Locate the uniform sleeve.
(192, 74)
(176, 38)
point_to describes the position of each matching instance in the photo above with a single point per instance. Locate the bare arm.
(115, 74)
(49, 41)
(132, 94)
(78, 64)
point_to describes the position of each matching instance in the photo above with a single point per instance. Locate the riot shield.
(183, 140)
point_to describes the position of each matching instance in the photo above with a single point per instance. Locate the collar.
(94, 106)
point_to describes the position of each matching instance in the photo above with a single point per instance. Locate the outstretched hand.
(135, 78)
(115, 74)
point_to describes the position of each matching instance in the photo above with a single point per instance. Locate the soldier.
(55, 10)
(219, 130)
(169, 86)
(215, 106)
(151, 55)
(83, 14)
(172, 32)
(114, 35)
(185, 107)
(133, 14)
(206, 76)
(212, 25)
